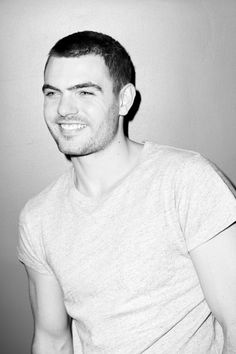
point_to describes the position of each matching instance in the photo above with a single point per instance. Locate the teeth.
(72, 126)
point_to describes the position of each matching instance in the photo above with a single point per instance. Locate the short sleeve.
(30, 250)
(205, 201)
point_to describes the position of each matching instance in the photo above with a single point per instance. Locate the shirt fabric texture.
(123, 260)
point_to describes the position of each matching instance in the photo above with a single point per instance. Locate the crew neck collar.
(83, 198)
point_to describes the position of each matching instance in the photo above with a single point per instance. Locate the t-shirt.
(123, 260)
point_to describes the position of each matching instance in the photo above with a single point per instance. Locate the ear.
(126, 98)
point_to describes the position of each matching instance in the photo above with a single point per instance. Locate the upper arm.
(48, 308)
(215, 263)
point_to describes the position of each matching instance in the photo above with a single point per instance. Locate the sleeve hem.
(31, 265)
(208, 235)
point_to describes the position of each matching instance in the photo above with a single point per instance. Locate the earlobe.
(126, 98)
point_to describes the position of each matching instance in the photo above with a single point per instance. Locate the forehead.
(62, 71)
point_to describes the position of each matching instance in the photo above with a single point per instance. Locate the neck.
(97, 173)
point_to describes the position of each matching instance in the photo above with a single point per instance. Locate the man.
(136, 243)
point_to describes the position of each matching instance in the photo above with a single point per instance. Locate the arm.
(215, 263)
(52, 333)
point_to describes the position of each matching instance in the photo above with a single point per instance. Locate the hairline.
(116, 90)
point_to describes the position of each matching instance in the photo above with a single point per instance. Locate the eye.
(85, 93)
(50, 93)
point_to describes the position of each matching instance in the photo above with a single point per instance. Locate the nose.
(66, 106)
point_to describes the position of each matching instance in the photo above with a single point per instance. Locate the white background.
(184, 52)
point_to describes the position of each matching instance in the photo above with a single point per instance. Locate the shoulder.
(45, 201)
(173, 158)
(185, 167)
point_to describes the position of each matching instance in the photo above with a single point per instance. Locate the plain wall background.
(184, 52)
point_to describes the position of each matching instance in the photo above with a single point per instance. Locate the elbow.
(46, 344)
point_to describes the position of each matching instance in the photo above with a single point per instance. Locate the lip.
(72, 127)
(71, 122)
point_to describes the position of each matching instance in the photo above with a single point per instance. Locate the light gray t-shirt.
(123, 260)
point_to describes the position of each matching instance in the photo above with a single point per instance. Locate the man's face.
(80, 108)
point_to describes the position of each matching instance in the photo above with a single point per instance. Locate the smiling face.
(80, 108)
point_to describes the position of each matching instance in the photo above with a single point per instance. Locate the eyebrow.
(74, 88)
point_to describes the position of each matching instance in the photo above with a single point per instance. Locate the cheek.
(50, 110)
(98, 106)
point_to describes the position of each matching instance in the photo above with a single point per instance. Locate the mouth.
(72, 127)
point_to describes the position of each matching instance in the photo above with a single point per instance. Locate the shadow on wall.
(132, 112)
(227, 181)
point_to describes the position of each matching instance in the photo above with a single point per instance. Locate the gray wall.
(184, 53)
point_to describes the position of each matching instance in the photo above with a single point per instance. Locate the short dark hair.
(116, 58)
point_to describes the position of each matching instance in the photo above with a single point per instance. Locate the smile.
(72, 126)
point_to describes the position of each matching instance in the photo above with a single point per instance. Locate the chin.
(83, 148)
(75, 151)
